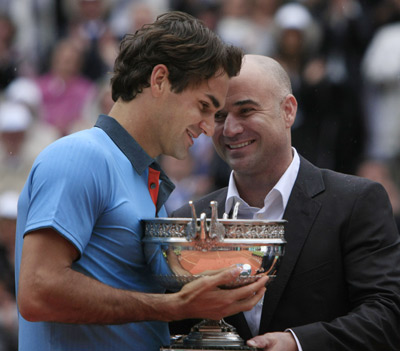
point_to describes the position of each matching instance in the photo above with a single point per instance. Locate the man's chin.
(239, 166)
(181, 154)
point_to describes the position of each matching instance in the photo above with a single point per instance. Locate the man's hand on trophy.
(204, 297)
(279, 341)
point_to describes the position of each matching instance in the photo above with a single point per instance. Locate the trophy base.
(177, 344)
(209, 335)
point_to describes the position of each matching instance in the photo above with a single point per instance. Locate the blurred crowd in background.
(56, 59)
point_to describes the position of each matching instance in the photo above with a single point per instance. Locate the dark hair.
(192, 53)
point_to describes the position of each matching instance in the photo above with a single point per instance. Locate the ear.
(289, 108)
(159, 79)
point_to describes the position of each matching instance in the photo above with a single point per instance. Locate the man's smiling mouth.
(192, 136)
(237, 146)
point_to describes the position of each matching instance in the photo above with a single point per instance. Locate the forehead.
(249, 85)
(215, 89)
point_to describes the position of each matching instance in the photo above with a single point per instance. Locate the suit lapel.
(300, 213)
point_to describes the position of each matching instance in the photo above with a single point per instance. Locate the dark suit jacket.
(338, 285)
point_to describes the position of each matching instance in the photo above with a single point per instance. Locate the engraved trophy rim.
(229, 231)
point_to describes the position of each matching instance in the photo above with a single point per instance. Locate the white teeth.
(240, 145)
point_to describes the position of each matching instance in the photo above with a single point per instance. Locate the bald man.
(338, 286)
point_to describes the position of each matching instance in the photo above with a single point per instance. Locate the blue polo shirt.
(94, 187)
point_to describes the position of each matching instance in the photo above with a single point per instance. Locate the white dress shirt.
(274, 206)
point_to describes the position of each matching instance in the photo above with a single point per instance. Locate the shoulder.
(77, 153)
(315, 181)
(349, 184)
(90, 141)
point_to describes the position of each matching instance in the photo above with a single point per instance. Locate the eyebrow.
(214, 100)
(246, 102)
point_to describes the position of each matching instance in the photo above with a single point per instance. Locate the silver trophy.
(180, 250)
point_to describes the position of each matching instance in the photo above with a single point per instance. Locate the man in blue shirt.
(81, 274)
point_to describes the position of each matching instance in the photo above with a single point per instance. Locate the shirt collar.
(126, 143)
(282, 188)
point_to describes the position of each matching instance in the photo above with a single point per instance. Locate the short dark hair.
(191, 52)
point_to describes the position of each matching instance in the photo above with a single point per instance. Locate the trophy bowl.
(180, 250)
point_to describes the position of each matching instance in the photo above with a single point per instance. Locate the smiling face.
(252, 131)
(190, 113)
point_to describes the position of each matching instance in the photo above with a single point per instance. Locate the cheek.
(215, 139)
(218, 130)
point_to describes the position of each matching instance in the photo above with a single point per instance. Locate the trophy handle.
(191, 229)
(236, 210)
(216, 230)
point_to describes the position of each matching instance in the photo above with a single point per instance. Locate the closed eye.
(204, 106)
(220, 116)
(246, 110)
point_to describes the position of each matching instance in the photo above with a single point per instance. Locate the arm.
(370, 250)
(49, 290)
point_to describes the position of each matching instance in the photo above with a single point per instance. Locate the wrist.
(167, 307)
(296, 340)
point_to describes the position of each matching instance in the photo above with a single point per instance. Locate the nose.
(232, 126)
(208, 126)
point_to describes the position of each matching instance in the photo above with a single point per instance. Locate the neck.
(133, 118)
(253, 190)
(254, 187)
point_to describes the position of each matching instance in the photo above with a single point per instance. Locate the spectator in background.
(8, 54)
(381, 71)
(89, 26)
(235, 25)
(37, 31)
(8, 308)
(329, 129)
(126, 16)
(24, 91)
(15, 159)
(346, 31)
(65, 91)
(140, 13)
(297, 38)
(381, 13)
(8, 218)
(23, 135)
(262, 16)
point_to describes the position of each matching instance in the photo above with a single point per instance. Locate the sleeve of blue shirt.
(66, 191)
